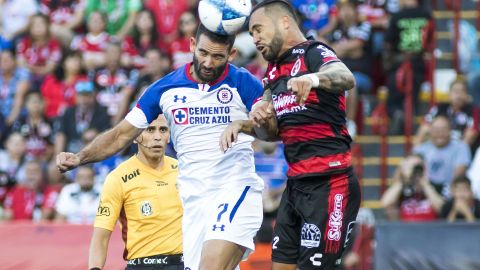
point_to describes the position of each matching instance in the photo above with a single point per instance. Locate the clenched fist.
(67, 161)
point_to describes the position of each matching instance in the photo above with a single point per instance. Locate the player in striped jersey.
(305, 84)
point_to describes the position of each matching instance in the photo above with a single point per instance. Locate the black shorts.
(315, 220)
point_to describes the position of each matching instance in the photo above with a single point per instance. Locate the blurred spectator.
(35, 128)
(58, 89)
(11, 162)
(38, 51)
(361, 232)
(462, 205)
(411, 197)
(246, 49)
(258, 66)
(121, 14)
(158, 64)
(33, 200)
(167, 22)
(65, 17)
(351, 41)
(92, 45)
(318, 17)
(82, 121)
(270, 165)
(180, 48)
(473, 173)
(145, 34)
(462, 114)
(14, 17)
(115, 85)
(14, 85)
(407, 42)
(375, 13)
(78, 202)
(445, 158)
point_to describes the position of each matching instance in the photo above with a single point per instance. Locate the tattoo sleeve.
(336, 78)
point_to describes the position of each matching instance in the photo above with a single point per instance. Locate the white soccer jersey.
(197, 114)
(221, 192)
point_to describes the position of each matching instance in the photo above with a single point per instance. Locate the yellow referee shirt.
(147, 203)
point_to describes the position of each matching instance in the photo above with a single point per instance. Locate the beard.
(274, 47)
(215, 72)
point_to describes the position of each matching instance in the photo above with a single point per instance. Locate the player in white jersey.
(220, 191)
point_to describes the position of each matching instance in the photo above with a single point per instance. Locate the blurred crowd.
(70, 69)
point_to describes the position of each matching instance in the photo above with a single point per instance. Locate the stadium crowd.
(70, 69)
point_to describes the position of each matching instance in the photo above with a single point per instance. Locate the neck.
(35, 118)
(69, 77)
(7, 74)
(154, 163)
(39, 40)
(293, 38)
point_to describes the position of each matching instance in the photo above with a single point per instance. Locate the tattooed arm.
(335, 78)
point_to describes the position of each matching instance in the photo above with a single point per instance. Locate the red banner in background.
(53, 246)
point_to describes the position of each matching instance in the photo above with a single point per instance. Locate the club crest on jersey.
(296, 67)
(146, 208)
(224, 95)
(180, 116)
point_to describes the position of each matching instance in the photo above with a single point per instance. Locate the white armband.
(314, 78)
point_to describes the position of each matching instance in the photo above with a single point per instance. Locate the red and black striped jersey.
(315, 135)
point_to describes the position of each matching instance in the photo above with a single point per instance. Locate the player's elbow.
(349, 80)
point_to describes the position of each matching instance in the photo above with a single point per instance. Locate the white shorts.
(233, 214)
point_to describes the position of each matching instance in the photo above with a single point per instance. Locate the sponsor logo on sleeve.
(103, 210)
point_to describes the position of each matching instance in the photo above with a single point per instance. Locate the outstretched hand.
(67, 161)
(230, 135)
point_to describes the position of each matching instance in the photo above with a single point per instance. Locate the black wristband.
(95, 268)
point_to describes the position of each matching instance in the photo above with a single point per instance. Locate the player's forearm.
(98, 248)
(106, 145)
(335, 78)
(267, 132)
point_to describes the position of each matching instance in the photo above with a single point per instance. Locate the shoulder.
(173, 163)
(123, 168)
(240, 75)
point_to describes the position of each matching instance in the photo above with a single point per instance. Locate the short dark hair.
(275, 5)
(462, 179)
(217, 38)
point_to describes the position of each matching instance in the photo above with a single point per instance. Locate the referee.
(141, 193)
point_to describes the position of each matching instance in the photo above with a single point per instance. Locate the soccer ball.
(224, 17)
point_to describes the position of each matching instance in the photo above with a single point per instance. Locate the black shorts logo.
(310, 235)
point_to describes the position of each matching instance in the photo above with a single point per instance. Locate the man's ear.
(233, 54)
(193, 44)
